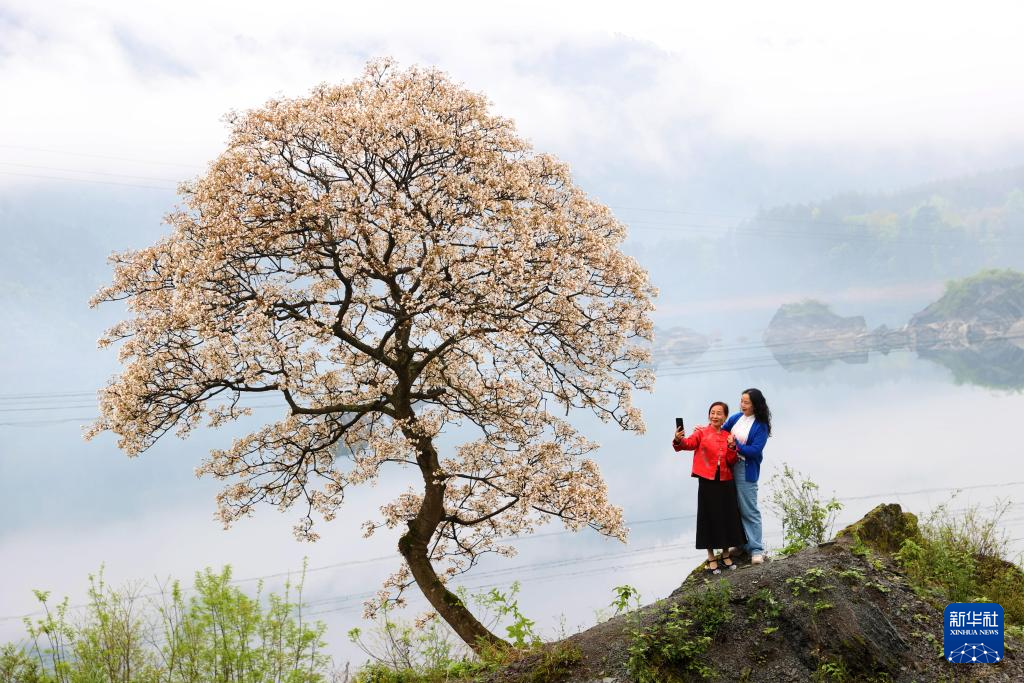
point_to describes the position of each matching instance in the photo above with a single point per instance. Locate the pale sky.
(643, 84)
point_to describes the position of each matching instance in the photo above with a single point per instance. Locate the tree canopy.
(391, 259)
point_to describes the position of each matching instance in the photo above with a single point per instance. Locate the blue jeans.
(750, 515)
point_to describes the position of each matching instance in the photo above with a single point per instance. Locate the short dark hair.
(725, 407)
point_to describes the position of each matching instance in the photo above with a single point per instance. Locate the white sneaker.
(757, 559)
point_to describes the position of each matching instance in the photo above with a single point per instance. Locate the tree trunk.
(446, 603)
(413, 546)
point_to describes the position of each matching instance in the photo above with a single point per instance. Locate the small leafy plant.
(672, 648)
(806, 520)
(627, 598)
(764, 605)
(520, 630)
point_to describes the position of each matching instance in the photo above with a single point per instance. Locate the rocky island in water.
(976, 329)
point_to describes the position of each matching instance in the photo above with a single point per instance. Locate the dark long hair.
(725, 407)
(761, 412)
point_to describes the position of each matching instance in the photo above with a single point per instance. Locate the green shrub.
(806, 520)
(672, 648)
(763, 605)
(556, 664)
(18, 666)
(505, 606)
(219, 635)
(831, 671)
(381, 673)
(627, 599)
(665, 652)
(710, 607)
(400, 645)
(1007, 588)
(939, 568)
(959, 559)
(429, 652)
(809, 583)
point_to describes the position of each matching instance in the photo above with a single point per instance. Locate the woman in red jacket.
(718, 515)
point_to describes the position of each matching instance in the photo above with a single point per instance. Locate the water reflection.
(678, 346)
(983, 357)
(986, 350)
(808, 336)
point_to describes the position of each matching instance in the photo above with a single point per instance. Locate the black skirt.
(718, 515)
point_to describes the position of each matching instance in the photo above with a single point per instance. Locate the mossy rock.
(884, 529)
(991, 293)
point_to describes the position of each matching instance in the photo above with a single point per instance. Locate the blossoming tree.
(390, 259)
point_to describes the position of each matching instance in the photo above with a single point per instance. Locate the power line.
(347, 600)
(93, 404)
(602, 556)
(642, 564)
(26, 423)
(99, 156)
(709, 367)
(95, 417)
(417, 599)
(45, 408)
(83, 180)
(47, 394)
(525, 569)
(490, 573)
(684, 371)
(971, 487)
(807, 341)
(74, 170)
(662, 369)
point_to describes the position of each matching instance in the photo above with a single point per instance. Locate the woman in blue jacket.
(749, 431)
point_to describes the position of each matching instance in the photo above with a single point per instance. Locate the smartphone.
(679, 423)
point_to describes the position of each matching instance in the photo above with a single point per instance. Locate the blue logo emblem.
(974, 632)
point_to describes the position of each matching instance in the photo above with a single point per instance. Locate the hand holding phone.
(679, 424)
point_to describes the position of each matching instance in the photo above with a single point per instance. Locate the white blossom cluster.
(391, 259)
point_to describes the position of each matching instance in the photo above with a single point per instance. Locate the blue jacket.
(753, 450)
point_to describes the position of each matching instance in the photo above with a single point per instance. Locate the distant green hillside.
(941, 230)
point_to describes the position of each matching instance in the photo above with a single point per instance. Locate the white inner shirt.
(741, 430)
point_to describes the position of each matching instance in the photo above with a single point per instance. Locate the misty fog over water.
(896, 428)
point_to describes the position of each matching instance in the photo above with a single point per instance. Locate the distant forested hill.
(941, 230)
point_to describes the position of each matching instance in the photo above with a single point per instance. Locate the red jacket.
(711, 452)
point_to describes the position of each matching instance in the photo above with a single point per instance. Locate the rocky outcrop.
(976, 329)
(809, 336)
(839, 611)
(884, 529)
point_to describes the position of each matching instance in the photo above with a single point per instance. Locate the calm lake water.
(896, 428)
